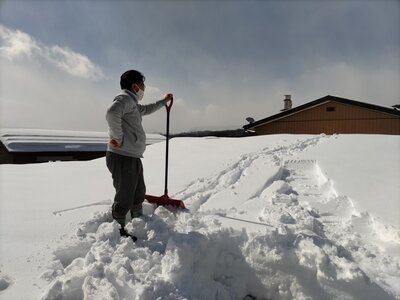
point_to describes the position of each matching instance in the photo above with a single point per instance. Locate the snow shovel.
(165, 200)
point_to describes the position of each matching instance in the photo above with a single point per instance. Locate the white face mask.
(140, 94)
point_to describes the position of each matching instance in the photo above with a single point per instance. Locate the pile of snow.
(176, 257)
(272, 217)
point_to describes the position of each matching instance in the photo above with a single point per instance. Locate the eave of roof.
(318, 102)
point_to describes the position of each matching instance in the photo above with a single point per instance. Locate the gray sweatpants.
(128, 181)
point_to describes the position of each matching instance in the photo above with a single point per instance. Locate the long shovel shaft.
(166, 200)
(166, 156)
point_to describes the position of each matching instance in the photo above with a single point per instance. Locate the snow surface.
(271, 217)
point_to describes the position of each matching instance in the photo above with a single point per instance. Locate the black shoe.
(123, 233)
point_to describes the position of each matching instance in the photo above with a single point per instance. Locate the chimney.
(287, 103)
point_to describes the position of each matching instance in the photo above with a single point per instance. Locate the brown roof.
(317, 102)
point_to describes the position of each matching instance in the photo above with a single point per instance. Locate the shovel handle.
(169, 106)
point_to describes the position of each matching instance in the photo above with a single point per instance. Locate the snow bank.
(177, 257)
(273, 217)
(365, 168)
(191, 256)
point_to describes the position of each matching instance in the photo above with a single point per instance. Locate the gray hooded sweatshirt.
(124, 119)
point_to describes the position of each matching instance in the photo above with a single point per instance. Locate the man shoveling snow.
(127, 145)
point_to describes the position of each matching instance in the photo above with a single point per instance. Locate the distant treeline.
(221, 133)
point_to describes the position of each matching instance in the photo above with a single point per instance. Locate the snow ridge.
(227, 180)
(177, 257)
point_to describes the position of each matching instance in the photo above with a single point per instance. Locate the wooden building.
(330, 115)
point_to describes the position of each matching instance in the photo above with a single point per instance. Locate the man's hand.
(168, 97)
(114, 143)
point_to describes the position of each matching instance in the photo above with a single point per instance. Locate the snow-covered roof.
(40, 140)
(152, 138)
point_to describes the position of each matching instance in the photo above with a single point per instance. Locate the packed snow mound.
(191, 256)
(178, 256)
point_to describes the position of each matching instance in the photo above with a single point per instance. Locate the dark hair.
(130, 77)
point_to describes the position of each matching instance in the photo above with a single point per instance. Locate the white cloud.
(377, 85)
(37, 96)
(74, 63)
(18, 45)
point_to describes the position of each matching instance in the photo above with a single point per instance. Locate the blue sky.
(223, 60)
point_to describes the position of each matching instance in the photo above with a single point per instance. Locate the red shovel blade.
(165, 200)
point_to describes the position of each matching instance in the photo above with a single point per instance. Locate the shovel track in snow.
(200, 191)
